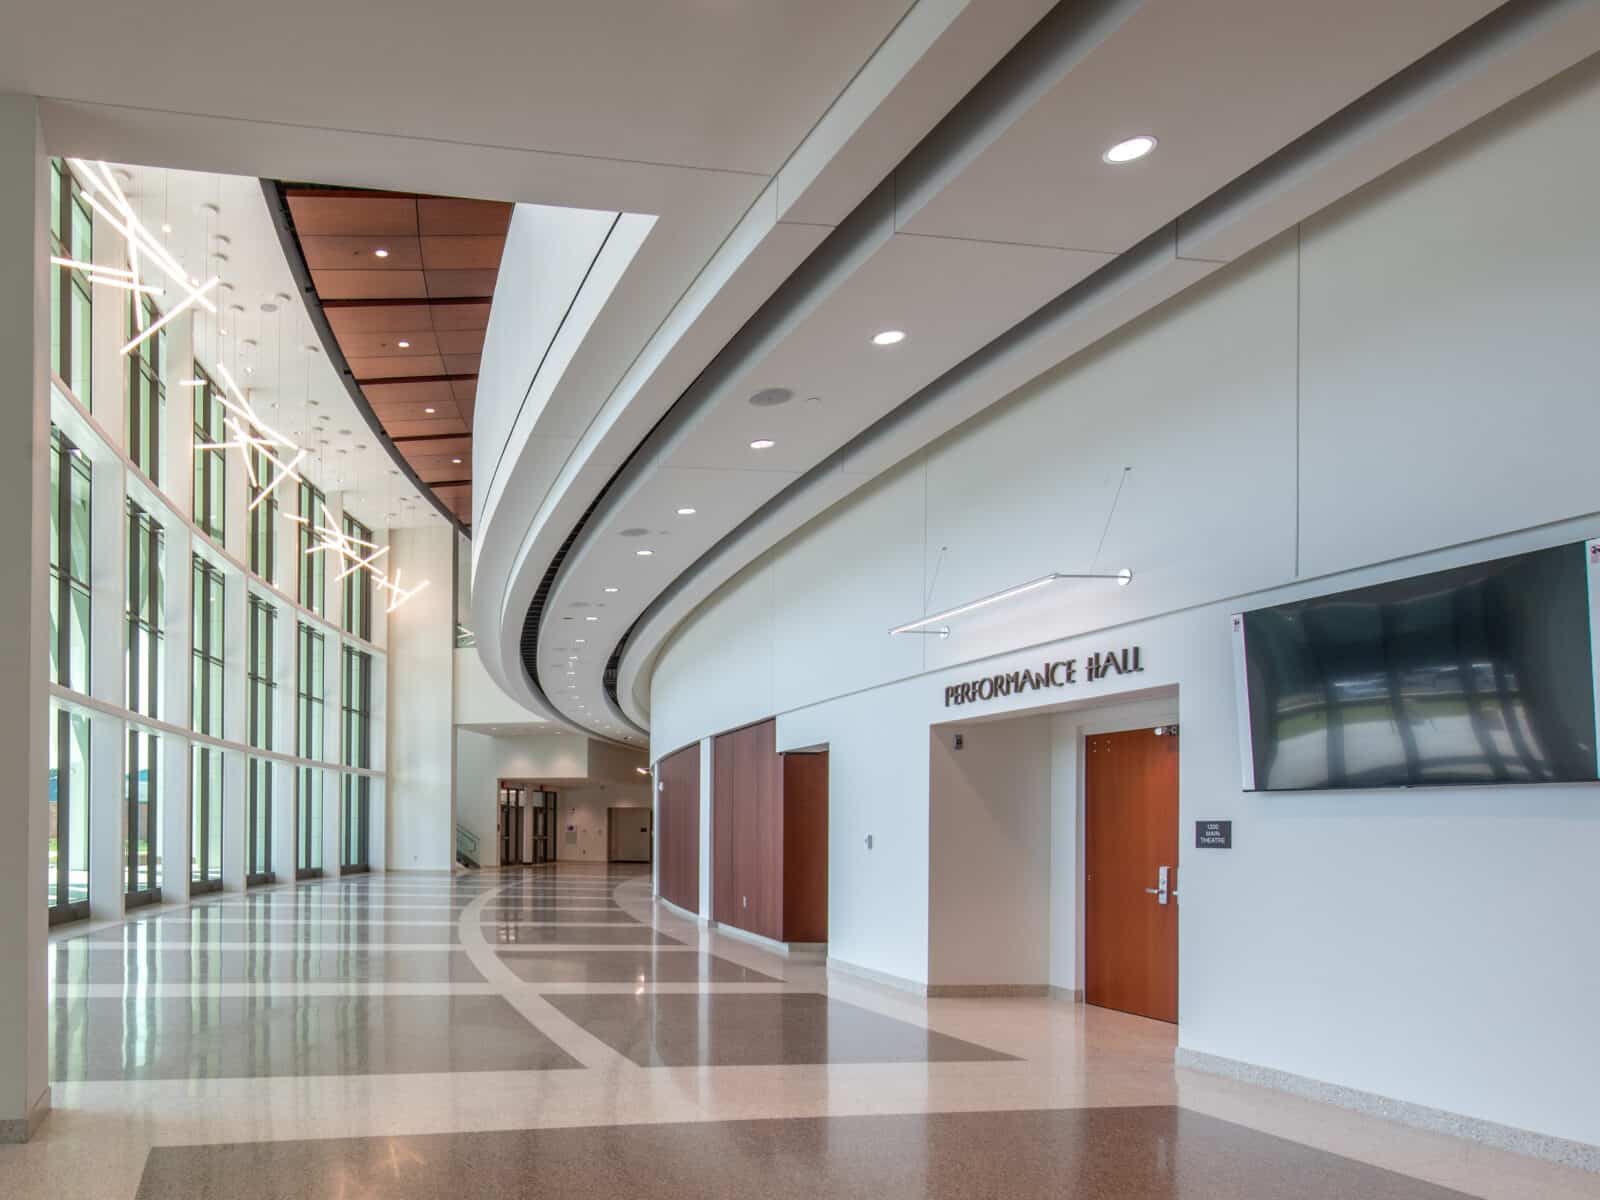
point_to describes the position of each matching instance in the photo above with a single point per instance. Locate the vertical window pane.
(77, 861)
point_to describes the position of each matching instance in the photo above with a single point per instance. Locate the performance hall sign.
(1060, 673)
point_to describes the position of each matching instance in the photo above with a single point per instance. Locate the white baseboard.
(838, 966)
(771, 945)
(1564, 1151)
(679, 911)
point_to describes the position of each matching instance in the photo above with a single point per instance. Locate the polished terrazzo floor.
(551, 1032)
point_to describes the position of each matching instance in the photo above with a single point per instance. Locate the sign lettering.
(1059, 673)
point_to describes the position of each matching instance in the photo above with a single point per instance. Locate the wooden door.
(805, 847)
(1130, 833)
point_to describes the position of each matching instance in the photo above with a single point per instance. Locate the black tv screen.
(1474, 675)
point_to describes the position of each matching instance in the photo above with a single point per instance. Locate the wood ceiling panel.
(318, 213)
(450, 215)
(360, 253)
(422, 391)
(462, 253)
(459, 341)
(404, 427)
(396, 366)
(434, 467)
(461, 315)
(431, 290)
(355, 317)
(444, 284)
(387, 344)
(437, 443)
(368, 285)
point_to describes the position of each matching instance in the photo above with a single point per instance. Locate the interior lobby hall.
(889, 599)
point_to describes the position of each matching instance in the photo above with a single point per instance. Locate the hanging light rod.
(930, 624)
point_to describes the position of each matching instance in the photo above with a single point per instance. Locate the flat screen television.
(1482, 674)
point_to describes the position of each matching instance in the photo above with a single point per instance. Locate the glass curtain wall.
(144, 620)
(209, 490)
(358, 584)
(147, 389)
(309, 744)
(205, 801)
(67, 870)
(72, 238)
(313, 562)
(355, 701)
(261, 690)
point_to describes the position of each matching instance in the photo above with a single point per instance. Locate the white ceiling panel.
(949, 297)
(1221, 85)
(700, 83)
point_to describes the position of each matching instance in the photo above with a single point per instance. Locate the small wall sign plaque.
(1213, 835)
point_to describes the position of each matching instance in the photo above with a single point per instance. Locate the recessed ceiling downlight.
(772, 397)
(1131, 150)
(686, 512)
(644, 553)
(889, 337)
(763, 444)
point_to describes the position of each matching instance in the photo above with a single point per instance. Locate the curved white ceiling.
(956, 249)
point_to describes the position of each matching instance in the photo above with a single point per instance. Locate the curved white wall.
(1408, 381)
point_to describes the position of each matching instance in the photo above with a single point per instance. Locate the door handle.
(1162, 891)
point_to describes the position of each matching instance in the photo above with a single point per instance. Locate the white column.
(285, 830)
(235, 726)
(176, 771)
(655, 829)
(706, 864)
(108, 332)
(177, 427)
(24, 637)
(235, 505)
(332, 818)
(420, 732)
(108, 644)
(377, 839)
(377, 808)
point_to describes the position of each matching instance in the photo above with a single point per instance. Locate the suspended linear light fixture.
(98, 181)
(932, 624)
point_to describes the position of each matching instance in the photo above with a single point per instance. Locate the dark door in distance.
(1130, 838)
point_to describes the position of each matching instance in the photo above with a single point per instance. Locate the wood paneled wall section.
(678, 827)
(762, 858)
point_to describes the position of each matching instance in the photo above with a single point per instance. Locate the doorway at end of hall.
(526, 825)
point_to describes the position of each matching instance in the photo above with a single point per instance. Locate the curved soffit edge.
(1468, 78)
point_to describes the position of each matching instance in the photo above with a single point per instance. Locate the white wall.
(24, 661)
(483, 760)
(478, 698)
(584, 808)
(1412, 373)
(989, 849)
(420, 822)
